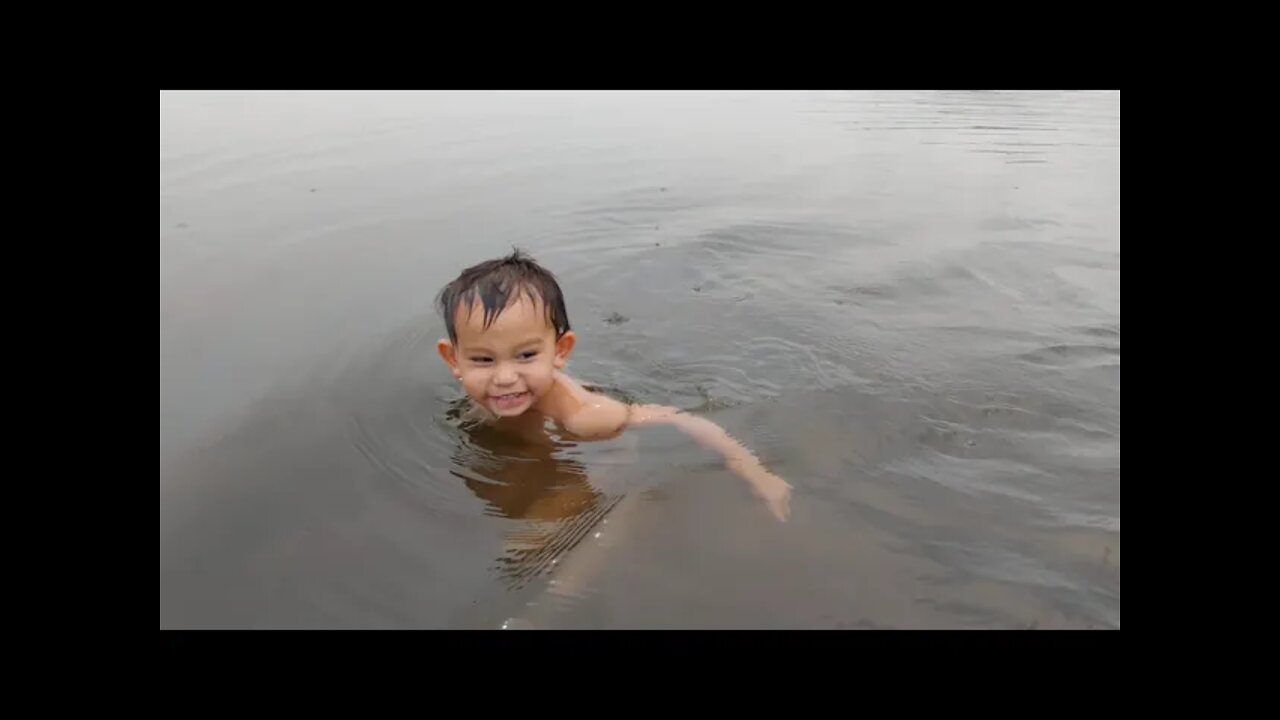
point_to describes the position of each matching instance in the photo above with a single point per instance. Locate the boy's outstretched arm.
(772, 489)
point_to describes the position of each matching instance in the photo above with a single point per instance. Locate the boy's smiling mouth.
(509, 400)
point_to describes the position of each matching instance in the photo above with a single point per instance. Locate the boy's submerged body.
(509, 340)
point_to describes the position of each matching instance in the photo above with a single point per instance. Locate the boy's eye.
(528, 354)
(480, 359)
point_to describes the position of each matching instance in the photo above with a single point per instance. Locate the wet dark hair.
(497, 283)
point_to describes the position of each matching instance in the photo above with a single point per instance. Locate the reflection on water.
(526, 476)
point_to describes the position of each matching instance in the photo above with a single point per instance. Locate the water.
(907, 303)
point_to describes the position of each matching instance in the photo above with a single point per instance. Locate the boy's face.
(507, 367)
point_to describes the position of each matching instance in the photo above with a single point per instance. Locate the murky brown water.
(907, 303)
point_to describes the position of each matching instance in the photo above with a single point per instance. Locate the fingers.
(779, 500)
(781, 507)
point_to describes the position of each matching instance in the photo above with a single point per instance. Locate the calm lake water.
(907, 303)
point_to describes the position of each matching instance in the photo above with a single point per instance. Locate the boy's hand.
(775, 491)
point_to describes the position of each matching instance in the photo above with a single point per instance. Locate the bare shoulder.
(610, 417)
(601, 418)
(594, 415)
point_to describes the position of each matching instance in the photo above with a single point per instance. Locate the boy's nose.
(505, 375)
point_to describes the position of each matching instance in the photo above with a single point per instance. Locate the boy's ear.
(564, 348)
(449, 354)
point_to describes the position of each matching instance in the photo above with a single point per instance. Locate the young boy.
(509, 340)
